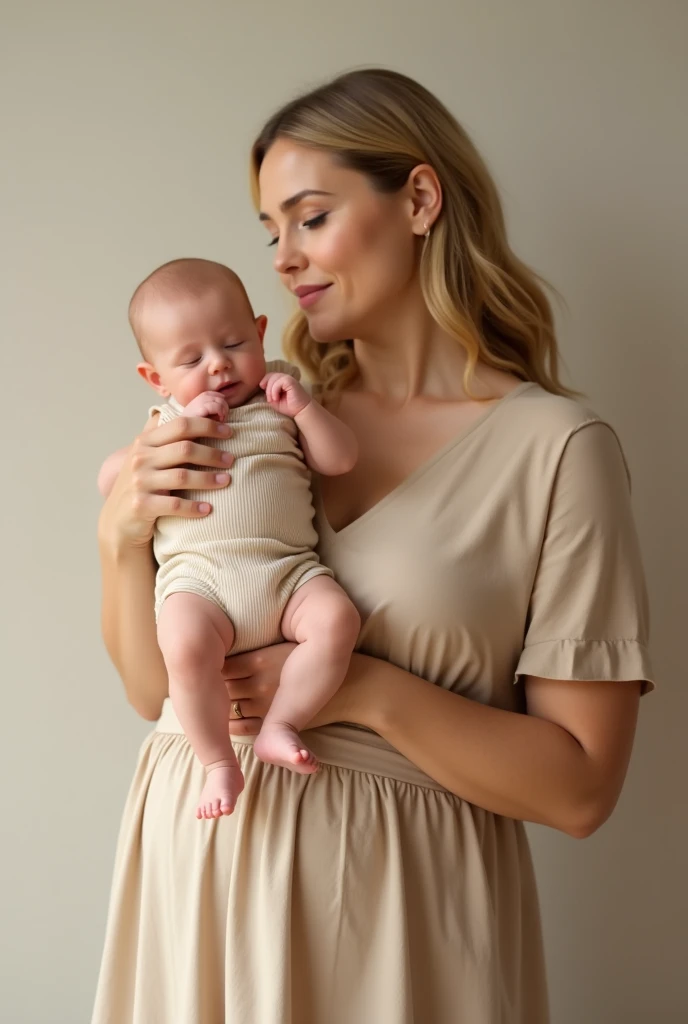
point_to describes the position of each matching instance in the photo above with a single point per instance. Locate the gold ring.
(236, 708)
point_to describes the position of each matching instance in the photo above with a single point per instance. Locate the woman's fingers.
(160, 462)
(253, 712)
(238, 689)
(179, 453)
(175, 444)
(184, 428)
(182, 479)
(240, 666)
(250, 707)
(152, 506)
(157, 463)
(245, 726)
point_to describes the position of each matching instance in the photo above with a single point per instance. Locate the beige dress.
(367, 894)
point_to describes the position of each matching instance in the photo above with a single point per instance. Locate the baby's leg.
(194, 637)
(325, 625)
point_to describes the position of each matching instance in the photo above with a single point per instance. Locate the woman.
(485, 536)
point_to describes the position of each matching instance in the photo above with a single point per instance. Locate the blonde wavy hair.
(384, 124)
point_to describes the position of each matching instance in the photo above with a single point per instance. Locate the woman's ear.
(425, 198)
(152, 377)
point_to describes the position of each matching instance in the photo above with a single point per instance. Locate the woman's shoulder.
(545, 420)
(540, 428)
(551, 415)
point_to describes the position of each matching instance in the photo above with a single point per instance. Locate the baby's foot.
(221, 791)
(282, 745)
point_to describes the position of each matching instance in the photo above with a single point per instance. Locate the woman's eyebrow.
(294, 200)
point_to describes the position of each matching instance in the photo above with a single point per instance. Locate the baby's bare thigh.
(319, 604)
(187, 617)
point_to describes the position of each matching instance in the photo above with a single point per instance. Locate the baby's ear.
(152, 377)
(261, 327)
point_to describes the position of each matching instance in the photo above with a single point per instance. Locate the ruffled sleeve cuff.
(619, 660)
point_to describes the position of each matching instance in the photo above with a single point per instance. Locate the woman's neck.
(410, 356)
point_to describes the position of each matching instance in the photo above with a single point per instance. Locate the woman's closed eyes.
(311, 224)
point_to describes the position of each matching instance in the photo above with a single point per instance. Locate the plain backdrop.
(124, 137)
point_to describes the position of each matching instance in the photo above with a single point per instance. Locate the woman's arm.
(128, 625)
(562, 764)
(155, 463)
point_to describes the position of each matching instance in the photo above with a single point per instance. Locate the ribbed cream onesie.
(256, 548)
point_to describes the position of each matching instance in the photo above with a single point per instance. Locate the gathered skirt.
(364, 894)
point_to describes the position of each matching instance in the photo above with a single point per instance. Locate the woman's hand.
(156, 463)
(252, 680)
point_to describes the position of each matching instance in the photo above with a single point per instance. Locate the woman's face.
(348, 252)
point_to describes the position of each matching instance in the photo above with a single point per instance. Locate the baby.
(246, 576)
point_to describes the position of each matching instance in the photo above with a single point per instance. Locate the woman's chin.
(327, 333)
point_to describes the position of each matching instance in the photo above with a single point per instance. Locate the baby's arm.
(110, 470)
(330, 447)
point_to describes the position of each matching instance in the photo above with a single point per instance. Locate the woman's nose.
(288, 256)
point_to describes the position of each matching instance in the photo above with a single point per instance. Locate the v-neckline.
(416, 473)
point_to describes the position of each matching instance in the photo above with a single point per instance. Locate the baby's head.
(197, 332)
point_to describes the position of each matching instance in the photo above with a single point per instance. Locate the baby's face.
(206, 343)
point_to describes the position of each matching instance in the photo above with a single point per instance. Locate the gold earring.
(427, 230)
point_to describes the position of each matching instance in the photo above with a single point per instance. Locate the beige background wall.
(124, 141)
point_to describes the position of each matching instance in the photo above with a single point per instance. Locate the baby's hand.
(208, 404)
(285, 394)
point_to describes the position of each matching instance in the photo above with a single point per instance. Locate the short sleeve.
(588, 615)
(166, 412)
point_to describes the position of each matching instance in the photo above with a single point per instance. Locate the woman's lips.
(309, 294)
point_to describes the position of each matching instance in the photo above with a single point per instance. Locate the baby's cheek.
(194, 384)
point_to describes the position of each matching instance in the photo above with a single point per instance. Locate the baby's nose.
(219, 362)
